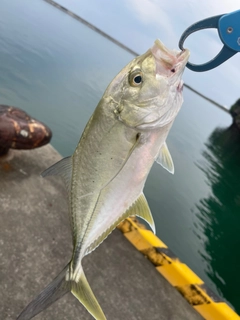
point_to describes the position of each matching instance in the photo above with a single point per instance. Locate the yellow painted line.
(148, 235)
(137, 240)
(178, 274)
(216, 311)
(152, 239)
(146, 248)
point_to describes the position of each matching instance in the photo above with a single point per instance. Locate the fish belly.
(110, 167)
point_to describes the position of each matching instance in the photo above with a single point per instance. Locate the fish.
(106, 174)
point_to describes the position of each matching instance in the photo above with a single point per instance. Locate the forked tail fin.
(82, 291)
(54, 291)
(58, 288)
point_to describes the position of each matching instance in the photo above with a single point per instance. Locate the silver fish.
(106, 174)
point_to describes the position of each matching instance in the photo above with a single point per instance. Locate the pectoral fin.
(164, 159)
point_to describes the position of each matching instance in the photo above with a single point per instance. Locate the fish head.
(148, 91)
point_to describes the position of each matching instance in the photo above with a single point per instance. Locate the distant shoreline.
(121, 45)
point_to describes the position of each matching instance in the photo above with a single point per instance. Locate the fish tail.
(54, 291)
(61, 285)
(82, 291)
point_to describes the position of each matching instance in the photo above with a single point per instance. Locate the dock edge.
(178, 274)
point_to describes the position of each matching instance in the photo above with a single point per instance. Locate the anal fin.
(141, 209)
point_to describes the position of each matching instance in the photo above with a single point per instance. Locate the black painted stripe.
(167, 252)
(210, 293)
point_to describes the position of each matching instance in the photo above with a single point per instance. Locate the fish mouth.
(167, 59)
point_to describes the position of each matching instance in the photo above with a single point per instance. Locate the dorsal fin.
(164, 159)
(62, 168)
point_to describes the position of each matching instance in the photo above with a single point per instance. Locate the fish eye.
(135, 78)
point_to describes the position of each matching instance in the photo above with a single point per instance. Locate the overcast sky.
(137, 23)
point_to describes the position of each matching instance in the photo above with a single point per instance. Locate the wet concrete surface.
(35, 245)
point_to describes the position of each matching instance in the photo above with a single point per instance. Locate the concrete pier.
(35, 245)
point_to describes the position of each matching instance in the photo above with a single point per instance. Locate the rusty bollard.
(18, 130)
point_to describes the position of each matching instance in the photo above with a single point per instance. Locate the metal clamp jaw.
(228, 26)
